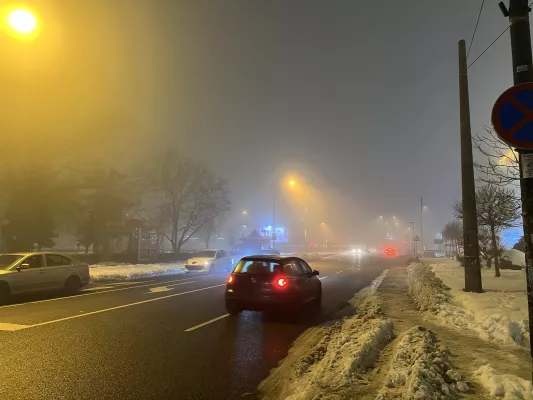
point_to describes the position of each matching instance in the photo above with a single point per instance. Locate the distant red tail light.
(281, 282)
(231, 279)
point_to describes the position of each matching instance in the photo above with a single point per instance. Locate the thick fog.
(356, 102)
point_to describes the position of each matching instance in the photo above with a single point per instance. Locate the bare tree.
(497, 208)
(485, 245)
(452, 234)
(188, 197)
(501, 166)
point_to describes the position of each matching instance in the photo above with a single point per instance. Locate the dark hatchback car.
(263, 282)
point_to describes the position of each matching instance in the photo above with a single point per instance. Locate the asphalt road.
(159, 338)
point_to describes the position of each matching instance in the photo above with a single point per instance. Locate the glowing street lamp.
(244, 212)
(21, 22)
(292, 183)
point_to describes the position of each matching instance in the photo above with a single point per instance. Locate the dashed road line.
(206, 323)
(11, 327)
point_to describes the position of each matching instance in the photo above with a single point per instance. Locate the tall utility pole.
(470, 232)
(413, 238)
(518, 14)
(422, 225)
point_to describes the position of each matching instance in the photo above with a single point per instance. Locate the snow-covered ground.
(421, 367)
(345, 359)
(503, 386)
(119, 271)
(500, 314)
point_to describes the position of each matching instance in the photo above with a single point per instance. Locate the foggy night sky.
(361, 98)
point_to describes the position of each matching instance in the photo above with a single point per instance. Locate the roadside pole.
(139, 244)
(472, 266)
(518, 14)
(422, 225)
(413, 239)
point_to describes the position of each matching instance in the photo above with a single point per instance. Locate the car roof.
(269, 257)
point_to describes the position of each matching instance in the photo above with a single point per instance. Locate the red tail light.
(281, 282)
(231, 279)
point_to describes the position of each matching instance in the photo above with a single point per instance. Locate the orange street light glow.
(292, 183)
(22, 21)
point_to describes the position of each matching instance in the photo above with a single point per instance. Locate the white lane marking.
(207, 323)
(159, 289)
(338, 272)
(97, 292)
(92, 289)
(129, 283)
(166, 288)
(118, 307)
(11, 327)
(324, 277)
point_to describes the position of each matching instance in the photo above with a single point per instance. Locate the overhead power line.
(475, 28)
(494, 41)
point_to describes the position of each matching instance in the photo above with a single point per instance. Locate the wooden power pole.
(470, 231)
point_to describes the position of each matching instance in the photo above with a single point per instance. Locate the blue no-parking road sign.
(512, 116)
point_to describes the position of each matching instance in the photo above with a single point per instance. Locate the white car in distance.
(40, 272)
(210, 260)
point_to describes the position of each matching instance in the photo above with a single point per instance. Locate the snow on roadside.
(503, 386)
(492, 315)
(119, 272)
(420, 369)
(346, 348)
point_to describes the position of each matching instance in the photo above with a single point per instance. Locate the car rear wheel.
(232, 308)
(72, 285)
(5, 293)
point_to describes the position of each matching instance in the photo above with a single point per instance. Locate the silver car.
(37, 272)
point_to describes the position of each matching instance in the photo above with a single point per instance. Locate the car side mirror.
(23, 266)
(315, 272)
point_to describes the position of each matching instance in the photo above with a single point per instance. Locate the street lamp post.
(422, 225)
(413, 238)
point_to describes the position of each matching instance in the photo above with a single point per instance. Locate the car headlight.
(206, 262)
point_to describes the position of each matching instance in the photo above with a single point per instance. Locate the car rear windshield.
(6, 260)
(261, 267)
(206, 253)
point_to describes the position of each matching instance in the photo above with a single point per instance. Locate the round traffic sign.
(512, 116)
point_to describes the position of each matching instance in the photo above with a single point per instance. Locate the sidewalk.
(385, 347)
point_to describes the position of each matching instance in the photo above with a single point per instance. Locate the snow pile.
(347, 348)
(504, 386)
(420, 369)
(120, 272)
(334, 365)
(495, 315)
(517, 257)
